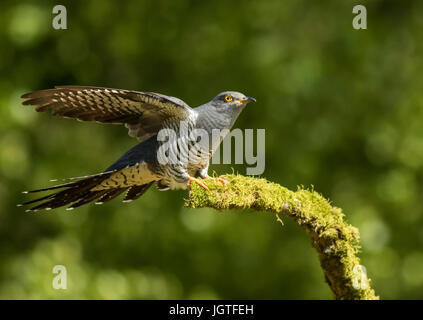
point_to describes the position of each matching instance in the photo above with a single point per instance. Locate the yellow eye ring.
(228, 98)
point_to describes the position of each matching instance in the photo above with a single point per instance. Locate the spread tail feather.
(83, 190)
(78, 193)
(111, 194)
(75, 193)
(136, 191)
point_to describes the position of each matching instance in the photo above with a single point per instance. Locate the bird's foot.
(217, 179)
(199, 182)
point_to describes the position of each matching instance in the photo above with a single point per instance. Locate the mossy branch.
(336, 242)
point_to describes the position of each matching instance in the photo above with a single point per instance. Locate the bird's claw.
(199, 182)
(217, 179)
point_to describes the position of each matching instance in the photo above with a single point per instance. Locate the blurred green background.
(342, 109)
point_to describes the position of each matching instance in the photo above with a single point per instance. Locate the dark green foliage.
(342, 109)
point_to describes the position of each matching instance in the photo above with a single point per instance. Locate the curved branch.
(336, 242)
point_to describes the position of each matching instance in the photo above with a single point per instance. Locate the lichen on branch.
(336, 242)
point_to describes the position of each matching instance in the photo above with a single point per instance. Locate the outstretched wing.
(143, 113)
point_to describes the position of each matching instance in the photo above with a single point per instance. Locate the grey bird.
(148, 116)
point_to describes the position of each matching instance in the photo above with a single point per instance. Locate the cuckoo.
(164, 125)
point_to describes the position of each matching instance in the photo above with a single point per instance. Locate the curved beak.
(246, 100)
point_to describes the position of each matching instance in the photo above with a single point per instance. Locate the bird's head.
(231, 100)
(226, 107)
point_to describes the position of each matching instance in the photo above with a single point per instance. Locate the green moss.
(336, 242)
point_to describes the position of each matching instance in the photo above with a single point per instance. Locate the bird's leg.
(199, 182)
(207, 177)
(204, 175)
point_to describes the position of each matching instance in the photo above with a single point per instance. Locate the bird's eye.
(228, 98)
